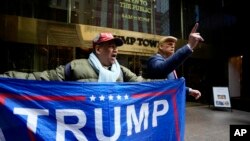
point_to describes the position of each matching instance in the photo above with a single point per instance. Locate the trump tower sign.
(64, 111)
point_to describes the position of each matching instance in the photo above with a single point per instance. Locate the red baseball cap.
(104, 37)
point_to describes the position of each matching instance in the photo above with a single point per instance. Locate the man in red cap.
(101, 66)
(106, 41)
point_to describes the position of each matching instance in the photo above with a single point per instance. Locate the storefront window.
(32, 58)
(147, 16)
(135, 63)
(53, 22)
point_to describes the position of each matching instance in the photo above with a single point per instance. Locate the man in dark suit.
(163, 64)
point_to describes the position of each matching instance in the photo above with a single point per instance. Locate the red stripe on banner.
(143, 95)
(31, 135)
(40, 98)
(176, 117)
(2, 99)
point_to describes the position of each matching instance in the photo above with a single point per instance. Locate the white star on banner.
(101, 98)
(126, 96)
(92, 98)
(111, 97)
(118, 97)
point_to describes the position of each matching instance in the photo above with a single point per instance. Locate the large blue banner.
(67, 111)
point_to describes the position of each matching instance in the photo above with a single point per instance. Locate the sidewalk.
(207, 124)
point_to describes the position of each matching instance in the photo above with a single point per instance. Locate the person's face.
(107, 52)
(168, 48)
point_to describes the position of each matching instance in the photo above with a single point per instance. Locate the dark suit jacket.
(159, 67)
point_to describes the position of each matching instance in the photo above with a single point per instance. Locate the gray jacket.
(76, 70)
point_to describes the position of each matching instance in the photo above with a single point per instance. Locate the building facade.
(53, 32)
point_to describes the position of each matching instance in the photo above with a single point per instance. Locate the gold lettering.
(141, 9)
(136, 18)
(143, 2)
(135, 1)
(125, 5)
(126, 16)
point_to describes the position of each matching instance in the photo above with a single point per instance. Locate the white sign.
(221, 97)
